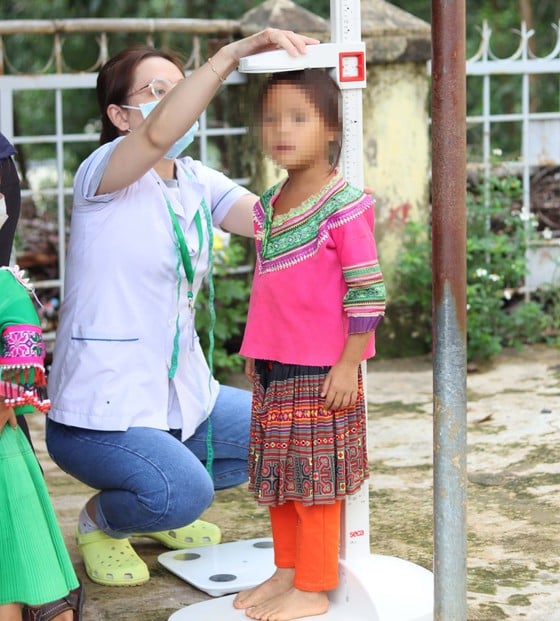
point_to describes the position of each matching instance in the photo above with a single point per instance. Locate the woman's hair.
(115, 81)
(321, 90)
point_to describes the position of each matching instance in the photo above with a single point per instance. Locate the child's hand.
(340, 388)
(250, 370)
(7, 415)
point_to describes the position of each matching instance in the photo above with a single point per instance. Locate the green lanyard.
(185, 255)
(189, 273)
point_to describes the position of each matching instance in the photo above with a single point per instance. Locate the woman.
(132, 395)
(15, 582)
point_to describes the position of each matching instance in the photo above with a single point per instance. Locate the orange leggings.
(307, 538)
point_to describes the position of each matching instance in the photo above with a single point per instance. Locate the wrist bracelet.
(222, 79)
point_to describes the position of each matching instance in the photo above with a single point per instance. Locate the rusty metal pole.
(449, 307)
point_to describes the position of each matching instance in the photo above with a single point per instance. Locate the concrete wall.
(396, 152)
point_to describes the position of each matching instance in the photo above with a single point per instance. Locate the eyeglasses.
(158, 86)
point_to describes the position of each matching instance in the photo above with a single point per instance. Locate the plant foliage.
(498, 315)
(231, 297)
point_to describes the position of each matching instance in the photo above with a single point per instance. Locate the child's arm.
(22, 349)
(239, 219)
(7, 415)
(250, 369)
(364, 304)
(340, 388)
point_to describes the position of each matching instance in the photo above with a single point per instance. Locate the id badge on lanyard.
(190, 274)
(185, 255)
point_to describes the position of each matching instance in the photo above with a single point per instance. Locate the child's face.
(293, 132)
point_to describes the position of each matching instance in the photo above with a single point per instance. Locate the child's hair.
(322, 91)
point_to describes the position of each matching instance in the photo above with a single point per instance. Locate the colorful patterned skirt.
(300, 451)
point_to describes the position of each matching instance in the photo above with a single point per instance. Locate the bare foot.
(280, 582)
(292, 604)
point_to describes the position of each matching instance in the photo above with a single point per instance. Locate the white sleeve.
(220, 191)
(89, 175)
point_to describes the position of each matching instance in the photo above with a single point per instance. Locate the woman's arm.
(140, 150)
(239, 219)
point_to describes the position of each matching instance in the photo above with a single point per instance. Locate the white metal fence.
(57, 183)
(49, 182)
(511, 125)
(538, 131)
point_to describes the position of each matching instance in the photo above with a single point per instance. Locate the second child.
(37, 580)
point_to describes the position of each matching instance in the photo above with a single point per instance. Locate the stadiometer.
(372, 587)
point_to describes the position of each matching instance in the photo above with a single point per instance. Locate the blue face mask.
(182, 143)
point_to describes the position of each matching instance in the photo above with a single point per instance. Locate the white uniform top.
(125, 295)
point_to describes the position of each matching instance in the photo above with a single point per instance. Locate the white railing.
(539, 134)
(62, 30)
(540, 131)
(55, 78)
(59, 175)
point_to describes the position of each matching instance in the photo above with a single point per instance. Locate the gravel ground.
(513, 417)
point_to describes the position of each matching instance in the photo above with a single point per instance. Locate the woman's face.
(153, 78)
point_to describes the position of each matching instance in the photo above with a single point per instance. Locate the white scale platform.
(373, 588)
(225, 568)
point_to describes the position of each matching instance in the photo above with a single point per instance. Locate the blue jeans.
(148, 479)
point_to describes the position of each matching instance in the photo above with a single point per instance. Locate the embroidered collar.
(299, 234)
(278, 220)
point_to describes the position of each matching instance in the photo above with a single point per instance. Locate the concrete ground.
(513, 492)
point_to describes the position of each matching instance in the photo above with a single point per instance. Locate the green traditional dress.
(34, 564)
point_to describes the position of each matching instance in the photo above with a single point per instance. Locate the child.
(317, 297)
(37, 580)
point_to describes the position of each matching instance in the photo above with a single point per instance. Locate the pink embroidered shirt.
(317, 277)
